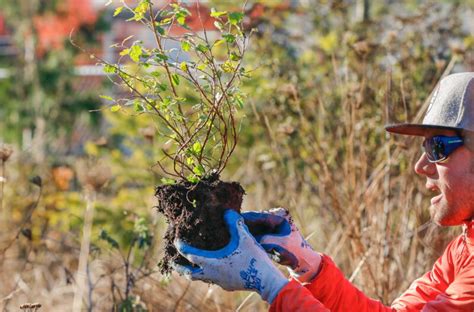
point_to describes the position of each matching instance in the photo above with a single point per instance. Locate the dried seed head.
(148, 133)
(361, 47)
(391, 37)
(62, 176)
(93, 175)
(5, 152)
(458, 48)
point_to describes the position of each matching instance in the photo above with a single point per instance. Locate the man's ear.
(468, 138)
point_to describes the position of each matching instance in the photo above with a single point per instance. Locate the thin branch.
(165, 63)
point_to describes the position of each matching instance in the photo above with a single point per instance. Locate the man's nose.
(424, 167)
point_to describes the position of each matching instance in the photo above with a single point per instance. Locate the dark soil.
(195, 214)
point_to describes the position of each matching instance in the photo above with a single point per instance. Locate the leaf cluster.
(191, 92)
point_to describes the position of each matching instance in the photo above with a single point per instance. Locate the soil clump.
(195, 213)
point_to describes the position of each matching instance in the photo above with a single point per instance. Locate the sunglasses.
(438, 148)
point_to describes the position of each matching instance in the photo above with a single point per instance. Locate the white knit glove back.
(241, 265)
(284, 243)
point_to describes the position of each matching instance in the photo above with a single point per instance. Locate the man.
(317, 284)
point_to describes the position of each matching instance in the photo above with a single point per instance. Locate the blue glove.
(241, 265)
(280, 237)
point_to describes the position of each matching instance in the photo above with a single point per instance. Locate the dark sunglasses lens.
(434, 149)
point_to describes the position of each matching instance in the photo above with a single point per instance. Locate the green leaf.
(218, 42)
(165, 21)
(234, 56)
(192, 178)
(199, 170)
(140, 11)
(183, 66)
(161, 57)
(110, 69)
(124, 52)
(115, 108)
(135, 53)
(118, 10)
(202, 48)
(167, 181)
(239, 101)
(106, 237)
(227, 67)
(185, 45)
(235, 17)
(201, 66)
(106, 97)
(143, 233)
(181, 20)
(189, 161)
(175, 79)
(138, 107)
(197, 147)
(229, 38)
(215, 13)
(160, 30)
(141, 7)
(163, 86)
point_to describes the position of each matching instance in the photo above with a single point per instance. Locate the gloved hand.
(280, 237)
(241, 265)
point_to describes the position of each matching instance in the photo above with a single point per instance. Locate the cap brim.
(417, 129)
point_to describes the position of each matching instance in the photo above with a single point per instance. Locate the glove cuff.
(273, 286)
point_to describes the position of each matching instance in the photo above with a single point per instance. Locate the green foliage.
(131, 304)
(143, 236)
(193, 101)
(106, 237)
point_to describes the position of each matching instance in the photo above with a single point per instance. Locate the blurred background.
(326, 77)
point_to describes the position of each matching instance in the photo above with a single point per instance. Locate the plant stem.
(84, 254)
(2, 183)
(165, 64)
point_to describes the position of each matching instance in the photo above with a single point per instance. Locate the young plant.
(188, 80)
(141, 241)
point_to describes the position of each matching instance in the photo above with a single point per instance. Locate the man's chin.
(443, 220)
(438, 218)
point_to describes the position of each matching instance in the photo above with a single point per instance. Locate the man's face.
(452, 182)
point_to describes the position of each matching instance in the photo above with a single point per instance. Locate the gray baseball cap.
(451, 107)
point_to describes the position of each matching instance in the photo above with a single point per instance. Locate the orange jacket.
(449, 286)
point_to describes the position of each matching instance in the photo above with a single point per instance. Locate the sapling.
(188, 80)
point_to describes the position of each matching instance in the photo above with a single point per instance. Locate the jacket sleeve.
(329, 291)
(333, 290)
(295, 297)
(449, 286)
